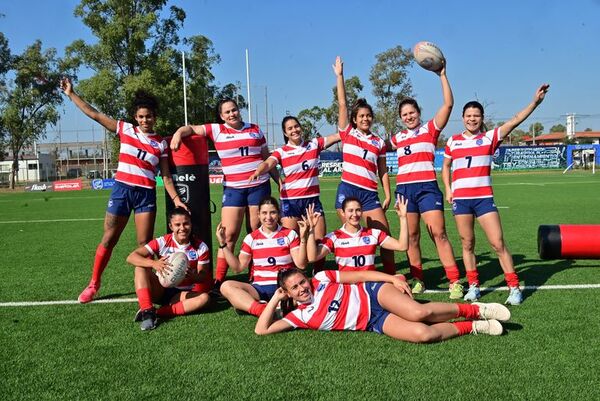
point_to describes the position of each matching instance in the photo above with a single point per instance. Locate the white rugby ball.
(179, 265)
(429, 56)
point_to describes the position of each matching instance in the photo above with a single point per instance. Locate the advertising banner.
(529, 157)
(106, 183)
(67, 185)
(39, 187)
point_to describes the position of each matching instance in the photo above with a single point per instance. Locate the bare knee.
(419, 314)
(439, 236)
(468, 244)
(228, 288)
(498, 246)
(425, 334)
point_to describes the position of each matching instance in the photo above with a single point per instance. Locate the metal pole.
(267, 116)
(248, 85)
(185, 118)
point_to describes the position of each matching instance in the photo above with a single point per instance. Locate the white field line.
(49, 221)
(131, 300)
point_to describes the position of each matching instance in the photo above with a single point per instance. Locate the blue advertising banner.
(106, 183)
(529, 157)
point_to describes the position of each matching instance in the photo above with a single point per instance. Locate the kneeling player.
(373, 301)
(191, 294)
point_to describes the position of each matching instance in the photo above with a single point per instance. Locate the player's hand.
(66, 86)
(280, 295)
(386, 204)
(540, 93)
(304, 226)
(175, 142)
(443, 70)
(312, 216)
(162, 266)
(399, 281)
(338, 67)
(401, 205)
(254, 176)
(449, 195)
(179, 203)
(220, 234)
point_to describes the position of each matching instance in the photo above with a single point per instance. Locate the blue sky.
(497, 52)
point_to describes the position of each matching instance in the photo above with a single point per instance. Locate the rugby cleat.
(491, 327)
(148, 319)
(88, 294)
(456, 290)
(418, 287)
(473, 294)
(493, 311)
(515, 296)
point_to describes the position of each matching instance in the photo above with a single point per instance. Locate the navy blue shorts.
(168, 295)
(242, 197)
(369, 200)
(125, 198)
(422, 196)
(265, 292)
(378, 314)
(297, 207)
(477, 207)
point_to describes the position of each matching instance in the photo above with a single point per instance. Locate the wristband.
(221, 246)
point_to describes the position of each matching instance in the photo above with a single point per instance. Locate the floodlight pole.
(248, 86)
(185, 117)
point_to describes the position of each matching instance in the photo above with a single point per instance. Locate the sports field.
(86, 352)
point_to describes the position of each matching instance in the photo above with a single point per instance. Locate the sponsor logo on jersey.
(366, 240)
(438, 203)
(309, 146)
(345, 243)
(230, 137)
(375, 142)
(154, 144)
(479, 142)
(259, 243)
(254, 135)
(192, 255)
(280, 241)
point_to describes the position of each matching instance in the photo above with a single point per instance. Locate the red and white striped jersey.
(270, 253)
(472, 163)
(360, 154)
(416, 152)
(240, 152)
(334, 306)
(301, 168)
(197, 252)
(139, 155)
(354, 251)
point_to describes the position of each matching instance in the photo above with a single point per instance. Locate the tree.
(311, 121)
(136, 48)
(558, 128)
(587, 130)
(391, 85)
(536, 129)
(29, 103)
(517, 136)
(5, 62)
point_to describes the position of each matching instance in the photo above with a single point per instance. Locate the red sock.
(389, 268)
(318, 266)
(100, 261)
(221, 269)
(511, 279)
(171, 310)
(416, 271)
(468, 311)
(144, 298)
(473, 277)
(256, 308)
(452, 273)
(464, 327)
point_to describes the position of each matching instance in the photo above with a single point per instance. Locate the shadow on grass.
(511, 326)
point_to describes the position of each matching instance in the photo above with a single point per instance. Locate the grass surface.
(87, 352)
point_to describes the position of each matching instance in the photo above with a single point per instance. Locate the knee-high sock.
(100, 261)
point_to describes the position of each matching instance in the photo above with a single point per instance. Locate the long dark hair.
(360, 103)
(284, 121)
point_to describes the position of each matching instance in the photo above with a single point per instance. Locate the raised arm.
(88, 110)
(400, 244)
(265, 324)
(443, 114)
(338, 69)
(186, 130)
(238, 265)
(314, 252)
(511, 124)
(331, 140)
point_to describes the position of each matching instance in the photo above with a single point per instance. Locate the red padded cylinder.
(580, 241)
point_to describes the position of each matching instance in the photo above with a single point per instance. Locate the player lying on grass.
(373, 301)
(469, 156)
(353, 245)
(141, 152)
(187, 297)
(269, 248)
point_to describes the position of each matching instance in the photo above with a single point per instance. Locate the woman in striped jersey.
(241, 148)
(416, 180)
(270, 248)
(141, 152)
(354, 247)
(300, 187)
(373, 301)
(364, 155)
(469, 156)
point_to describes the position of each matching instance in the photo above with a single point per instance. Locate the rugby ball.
(429, 56)
(179, 265)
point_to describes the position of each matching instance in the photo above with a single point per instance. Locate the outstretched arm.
(338, 69)
(184, 131)
(538, 98)
(443, 114)
(107, 122)
(263, 167)
(400, 244)
(331, 140)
